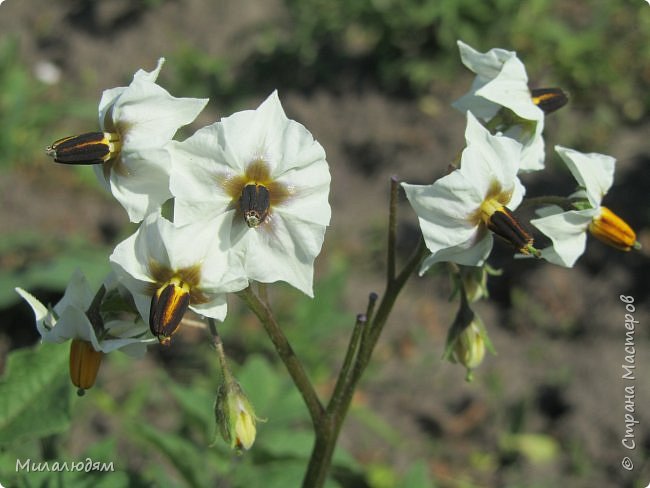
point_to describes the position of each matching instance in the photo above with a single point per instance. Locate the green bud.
(235, 416)
(469, 348)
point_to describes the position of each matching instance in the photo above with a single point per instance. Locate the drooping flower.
(267, 177)
(501, 98)
(459, 212)
(78, 318)
(169, 269)
(567, 229)
(68, 319)
(128, 152)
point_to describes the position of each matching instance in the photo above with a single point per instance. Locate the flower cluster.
(461, 211)
(250, 199)
(245, 199)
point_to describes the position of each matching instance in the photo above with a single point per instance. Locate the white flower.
(501, 81)
(268, 179)
(168, 269)
(456, 211)
(140, 119)
(568, 229)
(68, 320)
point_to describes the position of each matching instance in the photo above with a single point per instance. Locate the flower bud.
(612, 230)
(84, 364)
(469, 349)
(474, 279)
(235, 416)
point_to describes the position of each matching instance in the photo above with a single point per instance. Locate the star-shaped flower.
(269, 180)
(169, 269)
(128, 153)
(567, 229)
(500, 97)
(459, 212)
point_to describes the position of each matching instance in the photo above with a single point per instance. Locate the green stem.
(358, 356)
(564, 202)
(350, 356)
(392, 228)
(286, 353)
(218, 345)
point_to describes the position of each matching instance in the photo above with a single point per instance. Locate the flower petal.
(77, 293)
(567, 231)
(282, 249)
(309, 187)
(200, 164)
(444, 210)
(489, 159)
(470, 253)
(594, 172)
(45, 320)
(145, 186)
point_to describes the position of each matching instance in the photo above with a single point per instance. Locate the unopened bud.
(469, 349)
(84, 364)
(235, 416)
(474, 279)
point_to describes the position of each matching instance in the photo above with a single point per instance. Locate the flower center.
(88, 148)
(168, 306)
(255, 193)
(549, 99)
(254, 203)
(500, 220)
(612, 230)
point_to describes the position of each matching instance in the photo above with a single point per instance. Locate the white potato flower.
(68, 320)
(501, 81)
(568, 229)
(169, 268)
(263, 177)
(459, 212)
(128, 154)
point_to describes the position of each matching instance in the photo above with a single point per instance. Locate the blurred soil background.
(373, 81)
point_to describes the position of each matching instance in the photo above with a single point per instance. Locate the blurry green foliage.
(28, 109)
(599, 51)
(32, 379)
(194, 74)
(22, 115)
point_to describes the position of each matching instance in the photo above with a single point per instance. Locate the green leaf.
(35, 393)
(272, 394)
(418, 476)
(197, 405)
(186, 457)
